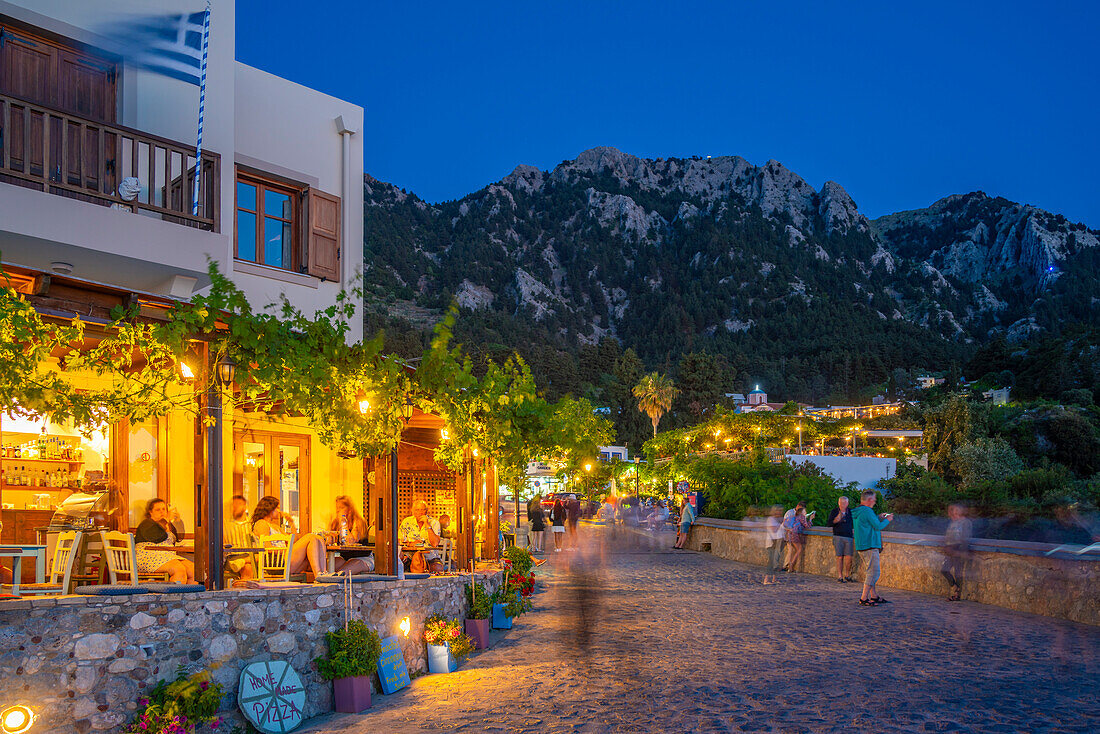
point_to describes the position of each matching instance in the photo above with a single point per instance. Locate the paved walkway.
(676, 641)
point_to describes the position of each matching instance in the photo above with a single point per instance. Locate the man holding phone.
(868, 535)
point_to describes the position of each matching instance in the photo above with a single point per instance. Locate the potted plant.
(477, 618)
(352, 657)
(179, 706)
(447, 644)
(507, 604)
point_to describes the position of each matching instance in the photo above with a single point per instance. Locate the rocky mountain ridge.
(717, 254)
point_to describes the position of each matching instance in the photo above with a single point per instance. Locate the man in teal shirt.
(868, 535)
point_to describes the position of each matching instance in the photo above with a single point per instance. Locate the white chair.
(275, 560)
(446, 553)
(61, 567)
(121, 557)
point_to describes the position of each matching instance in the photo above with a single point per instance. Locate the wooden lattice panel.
(437, 488)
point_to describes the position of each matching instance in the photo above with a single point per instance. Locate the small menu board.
(392, 673)
(271, 696)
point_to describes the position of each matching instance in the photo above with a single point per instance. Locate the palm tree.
(655, 394)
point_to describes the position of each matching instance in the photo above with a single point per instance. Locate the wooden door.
(273, 465)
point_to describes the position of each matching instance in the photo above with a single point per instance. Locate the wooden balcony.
(56, 152)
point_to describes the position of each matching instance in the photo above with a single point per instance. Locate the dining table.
(17, 553)
(331, 551)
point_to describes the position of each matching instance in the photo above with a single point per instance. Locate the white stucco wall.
(251, 117)
(863, 470)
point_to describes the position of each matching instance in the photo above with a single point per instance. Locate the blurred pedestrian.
(687, 517)
(868, 539)
(558, 514)
(956, 548)
(794, 531)
(773, 542)
(573, 517)
(840, 520)
(536, 520)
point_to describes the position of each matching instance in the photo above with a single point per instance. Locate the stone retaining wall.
(82, 662)
(1037, 583)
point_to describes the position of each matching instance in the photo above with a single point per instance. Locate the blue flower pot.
(440, 659)
(501, 621)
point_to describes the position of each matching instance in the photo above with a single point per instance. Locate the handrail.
(63, 154)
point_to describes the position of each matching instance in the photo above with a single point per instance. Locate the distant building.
(612, 453)
(757, 396)
(737, 398)
(998, 396)
(927, 382)
(859, 412)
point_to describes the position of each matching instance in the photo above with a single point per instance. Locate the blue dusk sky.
(900, 103)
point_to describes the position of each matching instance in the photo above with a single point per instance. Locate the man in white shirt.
(420, 529)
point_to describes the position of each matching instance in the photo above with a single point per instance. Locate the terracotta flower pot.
(352, 694)
(478, 630)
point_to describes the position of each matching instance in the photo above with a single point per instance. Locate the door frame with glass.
(271, 442)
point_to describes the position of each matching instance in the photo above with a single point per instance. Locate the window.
(286, 226)
(268, 221)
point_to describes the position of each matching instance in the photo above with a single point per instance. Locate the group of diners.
(421, 538)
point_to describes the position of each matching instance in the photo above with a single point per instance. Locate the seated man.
(657, 518)
(420, 529)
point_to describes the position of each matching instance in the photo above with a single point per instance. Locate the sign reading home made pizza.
(392, 672)
(271, 696)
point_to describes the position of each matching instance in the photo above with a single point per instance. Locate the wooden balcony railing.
(62, 154)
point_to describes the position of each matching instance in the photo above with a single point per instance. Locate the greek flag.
(166, 44)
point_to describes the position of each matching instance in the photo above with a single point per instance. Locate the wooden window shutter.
(323, 250)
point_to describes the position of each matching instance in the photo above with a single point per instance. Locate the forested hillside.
(719, 272)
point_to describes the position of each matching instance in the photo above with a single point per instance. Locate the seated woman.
(308, 551)
(358, 533)
(156, 530)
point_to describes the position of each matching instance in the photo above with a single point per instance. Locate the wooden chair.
(446, 553)
(61, 567)
(238, 535)
(275, 560)
(121, 557)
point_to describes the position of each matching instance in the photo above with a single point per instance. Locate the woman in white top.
(773, 541)
(308, 551)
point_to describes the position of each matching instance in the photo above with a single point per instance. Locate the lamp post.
(398, 566)
(224, 370)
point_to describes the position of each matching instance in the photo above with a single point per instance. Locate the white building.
(614, 453)
(282, 197)
(280, 213)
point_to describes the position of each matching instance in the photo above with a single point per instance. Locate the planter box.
(501, 621)
(440, 659)
(352, 694)
(478, 631)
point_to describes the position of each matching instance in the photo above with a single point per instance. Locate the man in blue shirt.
(868, 535)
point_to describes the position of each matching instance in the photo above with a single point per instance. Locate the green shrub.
(479, 601)
(351, 653)
(521, 559)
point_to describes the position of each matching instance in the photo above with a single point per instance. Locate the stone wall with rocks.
(1027, 579)
(82, 662)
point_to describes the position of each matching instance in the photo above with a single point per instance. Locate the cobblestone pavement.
(676, 641)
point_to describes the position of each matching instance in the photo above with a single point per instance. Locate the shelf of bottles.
(39, 468)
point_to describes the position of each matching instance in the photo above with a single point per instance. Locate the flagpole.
(202, 109)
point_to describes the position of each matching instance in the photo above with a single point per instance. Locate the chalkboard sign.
(271, 696)
(392, 673)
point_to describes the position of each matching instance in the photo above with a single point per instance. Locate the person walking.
(794, 531)
(687, 517)
(773, 542)
(558, 514)
(956, 548)
(868, 539)
(536, 521)
(840, 520)
(572, 518)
